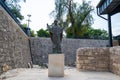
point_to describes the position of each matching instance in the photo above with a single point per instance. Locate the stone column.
(56, 65)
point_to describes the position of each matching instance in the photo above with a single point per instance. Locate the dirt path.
(70, 74)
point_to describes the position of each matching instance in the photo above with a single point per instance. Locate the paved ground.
(70, 74)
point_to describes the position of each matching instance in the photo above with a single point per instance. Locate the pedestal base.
(56, 65)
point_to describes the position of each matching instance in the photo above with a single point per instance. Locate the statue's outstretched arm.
(48, 27)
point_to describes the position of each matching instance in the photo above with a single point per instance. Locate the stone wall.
(115, 60)
(41, 47)
(14, 45)
(96, 59)
(99, 59)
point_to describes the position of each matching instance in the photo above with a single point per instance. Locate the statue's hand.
(48, 26)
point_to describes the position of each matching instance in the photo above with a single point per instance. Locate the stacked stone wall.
(41, 47)
(96, 59)
(115, 60)
(14, 45)
(99, 59)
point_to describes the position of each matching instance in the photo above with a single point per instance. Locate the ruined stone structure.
(99, 59)
(115, 60)
(96, 59)
(14, 45)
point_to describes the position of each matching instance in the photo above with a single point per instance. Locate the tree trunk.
(72, 20)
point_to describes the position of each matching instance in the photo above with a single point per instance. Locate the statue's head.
(55, 21)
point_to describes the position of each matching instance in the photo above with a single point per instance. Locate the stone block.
(56, 65)
(93, 59)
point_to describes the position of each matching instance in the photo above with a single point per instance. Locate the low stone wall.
(41, 47)
(99, 59)
(115, 60)
(96, 59)
(14, 44)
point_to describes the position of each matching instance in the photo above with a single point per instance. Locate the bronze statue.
(56, 36)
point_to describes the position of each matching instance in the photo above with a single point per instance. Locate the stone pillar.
(56, 65)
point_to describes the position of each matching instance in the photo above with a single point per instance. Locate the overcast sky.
(40, 10)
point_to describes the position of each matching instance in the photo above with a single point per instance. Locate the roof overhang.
(108, 7)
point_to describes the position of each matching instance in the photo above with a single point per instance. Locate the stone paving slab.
(70, 74)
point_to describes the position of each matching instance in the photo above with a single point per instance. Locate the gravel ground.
(38, 73)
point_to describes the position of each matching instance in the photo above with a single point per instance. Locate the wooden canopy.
(108, 7)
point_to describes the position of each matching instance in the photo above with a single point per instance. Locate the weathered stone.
(95, 59)
(91, 58)
(56, 65)
(103, 59)
(14, 44)
(41, 47)
(115, 60)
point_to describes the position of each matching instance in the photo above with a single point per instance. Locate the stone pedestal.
(56, 65)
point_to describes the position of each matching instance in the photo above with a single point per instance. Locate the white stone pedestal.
(56, 65)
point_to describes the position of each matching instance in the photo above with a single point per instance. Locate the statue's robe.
(56, 37)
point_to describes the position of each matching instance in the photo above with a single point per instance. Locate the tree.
(43, 33)
(15, 8)
(60, 9)
(78, 17)
(96, 34)
(24, 25)
(25, 29)
(32, 33)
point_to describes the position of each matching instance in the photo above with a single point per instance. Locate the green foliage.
(80, 19)
(89, 33)
(80, 32)
(78, 16)
(16, 12)
(15, 8)
(96, 34)
(14, 1)
(43, 33)
(32, 33)
(24, 25)
(60, 8)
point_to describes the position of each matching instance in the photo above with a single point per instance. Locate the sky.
(40, 15)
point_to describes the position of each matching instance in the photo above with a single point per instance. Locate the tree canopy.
(25, 28)
(78, 16)
(96, 34)
(15, 8)
(32, 33)
(43, 33)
